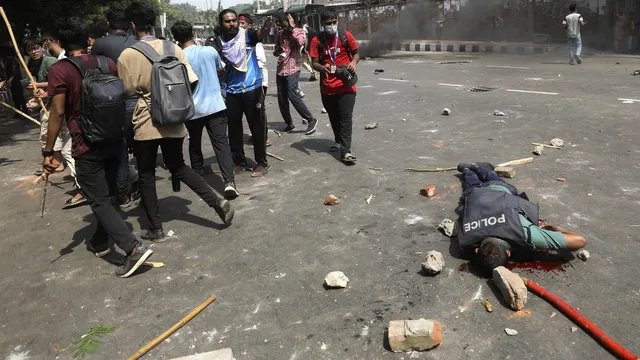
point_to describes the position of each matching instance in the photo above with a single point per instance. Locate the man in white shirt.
(572, 23)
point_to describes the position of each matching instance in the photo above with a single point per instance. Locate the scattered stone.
(561, 179)
(505, 171)
(222, 354)
(498, 113)
(636, 73)
(500, 121)
(446, 112)
(378, 71)
(618, 63)
(511, 332)
(414, 335)
(170, 233)
(371, 126)
(583, 255)
(538, 149)
(336, 280)
(331, 200)
(415, 85)
(433, 263)
(429, 191)
(557, 142)
(511, 286)
(447, 226)
(574, 329)
(324, 111)
(487, 305)
(369, 199)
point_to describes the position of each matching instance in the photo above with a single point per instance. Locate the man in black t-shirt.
(112, 46)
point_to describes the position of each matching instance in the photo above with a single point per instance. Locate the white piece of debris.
(170, 233)
(447, 226)
(433, 263)
(498, 113)
(369, 199)
(336, 280)
(511, 332)
(627, 101)
(446, 111)
(538, 149)
(557, 142)
(583, 255)
(324, 111)
(574, 329)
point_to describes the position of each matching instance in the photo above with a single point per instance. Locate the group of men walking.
(136, 93)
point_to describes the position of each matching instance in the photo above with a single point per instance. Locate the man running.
(572, 24)
(210, 108)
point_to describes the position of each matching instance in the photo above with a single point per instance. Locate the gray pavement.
(267, 269)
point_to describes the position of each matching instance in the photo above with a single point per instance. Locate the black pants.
(251, 104)
(340, 110)
(97, 170)
(124, 181)
(439, 32)
(17, 93)
(288, 91)
(216, 125)
(146, 154)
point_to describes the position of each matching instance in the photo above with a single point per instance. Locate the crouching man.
(497, 221)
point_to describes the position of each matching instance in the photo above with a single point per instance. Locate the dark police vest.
(491, 213)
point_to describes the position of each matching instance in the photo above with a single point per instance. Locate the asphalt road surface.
(267, 270)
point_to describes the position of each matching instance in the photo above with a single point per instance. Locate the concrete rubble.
(336, 280)
(498, 113)
(331, 200)
(414, 335)
(446, 112)
(557, 142)
(447, 226)
(371, 126)
(511, 332)
(429, 191)
(433, 263)
(512, 287)
(583, 255)
(538, 149)
(505, 171)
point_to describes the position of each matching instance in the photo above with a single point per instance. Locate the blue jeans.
(577, 44)
(477, 175)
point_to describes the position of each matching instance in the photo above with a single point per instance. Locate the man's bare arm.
(56, 116)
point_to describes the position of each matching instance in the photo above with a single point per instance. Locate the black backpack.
(322, 38)
(102, 102)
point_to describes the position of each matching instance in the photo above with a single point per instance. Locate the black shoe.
(239, 169)
(230, 191)
(98, 250)
(140, 254)
(578, 59)
(288, 129)
(311, 127)
(484, 165)
(156, 235)
(463, 166)
(175, 184)
(224, 211)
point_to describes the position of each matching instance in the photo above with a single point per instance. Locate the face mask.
(331, 29)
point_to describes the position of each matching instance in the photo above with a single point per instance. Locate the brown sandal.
(260, 171)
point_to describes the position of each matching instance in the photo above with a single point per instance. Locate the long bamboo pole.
(19, 112)
(171, 330)
(20, 58)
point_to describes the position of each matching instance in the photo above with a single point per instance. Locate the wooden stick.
(517, 162)
(275, 156)
(20, 58)
(431, 169)
(546, 145)
(19, 112)
(143, 350)
(44, 196)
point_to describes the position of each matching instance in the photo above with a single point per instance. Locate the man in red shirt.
(96, 164)
(335, 56)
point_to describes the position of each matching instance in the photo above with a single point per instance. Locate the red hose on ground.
(599, 335)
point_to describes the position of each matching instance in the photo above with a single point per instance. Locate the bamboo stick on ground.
(517, 162)
(431, 169)
(19, 112)
(275, 156)
(19, 56)
(143, 350)
(547, 146)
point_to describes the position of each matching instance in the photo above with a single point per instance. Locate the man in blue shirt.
(244, 90)
(209, 104)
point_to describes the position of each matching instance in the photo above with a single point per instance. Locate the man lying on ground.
(496, 220)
